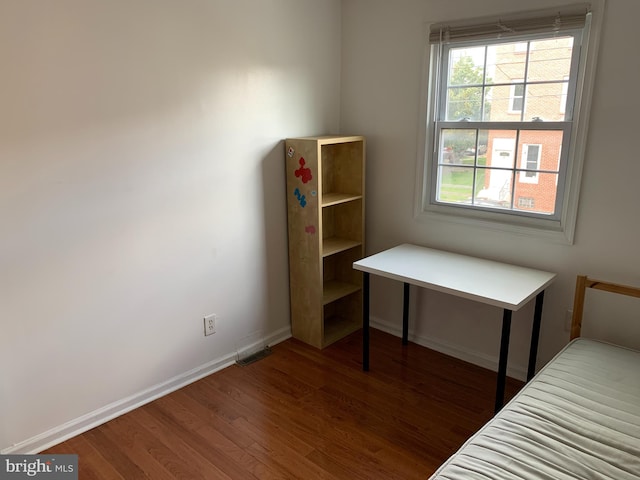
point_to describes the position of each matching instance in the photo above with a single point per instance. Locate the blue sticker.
(301, 198)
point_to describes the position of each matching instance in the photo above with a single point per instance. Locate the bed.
(579, 417)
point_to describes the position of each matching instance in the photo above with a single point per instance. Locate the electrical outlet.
(210, 324)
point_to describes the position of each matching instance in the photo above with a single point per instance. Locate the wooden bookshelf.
(325, 208)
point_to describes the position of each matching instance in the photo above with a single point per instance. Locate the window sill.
(551, 231)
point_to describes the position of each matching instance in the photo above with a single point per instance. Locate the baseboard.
(477, 358)
(102, 415)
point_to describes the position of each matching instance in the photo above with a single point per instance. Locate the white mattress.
(578, 418)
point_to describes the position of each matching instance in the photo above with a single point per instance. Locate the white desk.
(499, 284)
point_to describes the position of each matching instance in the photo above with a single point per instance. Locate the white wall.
(382, 58)
(142, 187)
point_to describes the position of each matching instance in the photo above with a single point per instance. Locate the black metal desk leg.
(535, 336)
(504, 354)
(405, 315)
(365, 321)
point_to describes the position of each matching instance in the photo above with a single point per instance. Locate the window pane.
(455, 184)
(545, 144)
(546, 102)
(458, 146)
(538, 197)
(550, 59)
(466, 66)
(506, 61)
(507, 102)
(495, 189)
(464, 103)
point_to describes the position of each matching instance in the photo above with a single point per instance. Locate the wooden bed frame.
(582, 283)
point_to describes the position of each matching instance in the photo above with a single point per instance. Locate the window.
(498, 147)
(516, 98)
(530, 163)
(526, 202)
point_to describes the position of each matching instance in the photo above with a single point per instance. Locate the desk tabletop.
(487, 281)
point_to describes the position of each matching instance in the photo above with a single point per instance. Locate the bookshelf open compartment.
(342, 226)
(339, 278)
(342, 317)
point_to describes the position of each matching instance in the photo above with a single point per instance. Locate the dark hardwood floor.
(301, 413)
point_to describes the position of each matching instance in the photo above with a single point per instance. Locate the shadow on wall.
(275, 239)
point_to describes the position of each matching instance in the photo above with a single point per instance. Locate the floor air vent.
(253, 357)
(251, 349)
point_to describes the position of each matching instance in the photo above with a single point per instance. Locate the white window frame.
(563, 95)
(559, 229)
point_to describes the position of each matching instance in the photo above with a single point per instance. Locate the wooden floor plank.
(212, 442)
(301, 413)
(140, 446)
(93, 465)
